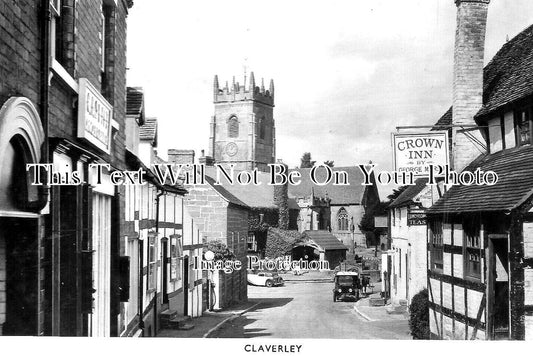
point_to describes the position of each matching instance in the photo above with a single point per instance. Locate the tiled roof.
(514, 168)
(135, 103)
(509, 75)
(409, 193)
(339, 194)
(254, 196)
(325, 239)
(148, 131)
(444, 121)
(225, 193)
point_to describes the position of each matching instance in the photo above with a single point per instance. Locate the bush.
(419, 315)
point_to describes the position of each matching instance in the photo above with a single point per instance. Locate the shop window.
(176, 254)
(233, 127)
(472, 249)
(152, 261)
(523, 126)
(436, 246)
(342, 220)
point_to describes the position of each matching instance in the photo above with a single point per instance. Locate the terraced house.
(480, 239)
(63, 104)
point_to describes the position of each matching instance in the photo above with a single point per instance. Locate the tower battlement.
(239, 92)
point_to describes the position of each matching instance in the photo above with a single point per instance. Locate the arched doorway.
(21, 138)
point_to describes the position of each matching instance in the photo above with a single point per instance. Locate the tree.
(329, 163)
(419, 315)
(367, 223)
(306, 161)
(396, 193)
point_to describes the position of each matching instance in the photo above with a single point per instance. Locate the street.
(306, 310)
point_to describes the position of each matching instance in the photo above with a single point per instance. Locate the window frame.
(233, 127)
(472, 248)
(151, 262)
(343, 220)
(176, 254)
(520, 125)
(436, 245)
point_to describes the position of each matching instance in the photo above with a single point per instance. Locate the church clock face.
(231, 149)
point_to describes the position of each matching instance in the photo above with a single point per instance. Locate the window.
(472, 249)
(342, 220)
(436, 246)
(393, 217)
(233, 127)
(152, 261)
(262, 128)
(176, 253)
(523, 127)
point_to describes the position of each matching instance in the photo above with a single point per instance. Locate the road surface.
(306, 310)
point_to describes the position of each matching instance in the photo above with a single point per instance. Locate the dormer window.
(523, 126)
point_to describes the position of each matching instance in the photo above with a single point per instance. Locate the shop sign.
(416, 152)
(94, 116)
(415, 219)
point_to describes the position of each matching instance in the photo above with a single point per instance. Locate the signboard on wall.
(94, 116)
(415, 152)
(414, 219)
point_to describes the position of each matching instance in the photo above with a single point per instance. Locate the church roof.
(339, 194)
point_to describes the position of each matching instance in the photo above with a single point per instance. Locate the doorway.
(21, 248)
(186, 285)
(499, 288)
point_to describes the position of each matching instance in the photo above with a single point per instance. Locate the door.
(185, 285)
(20, 248)
(498, 288)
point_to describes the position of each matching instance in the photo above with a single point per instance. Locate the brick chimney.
(468, 79)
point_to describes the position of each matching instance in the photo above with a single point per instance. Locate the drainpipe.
(44, 189)
(157, 198)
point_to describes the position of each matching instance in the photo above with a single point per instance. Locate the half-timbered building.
(480, 237)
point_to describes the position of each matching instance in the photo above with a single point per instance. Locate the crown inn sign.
(415, 153)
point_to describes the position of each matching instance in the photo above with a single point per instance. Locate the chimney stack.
(281, 199)
(468, 79)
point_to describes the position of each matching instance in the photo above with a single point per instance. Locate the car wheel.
(269, 283)
(334, 298)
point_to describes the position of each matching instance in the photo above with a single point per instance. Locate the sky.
(346, 72)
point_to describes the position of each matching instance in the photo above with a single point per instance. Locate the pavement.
(370, 313)
(208, 322)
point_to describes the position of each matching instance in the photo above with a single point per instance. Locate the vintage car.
(266, 279)
(347, 285)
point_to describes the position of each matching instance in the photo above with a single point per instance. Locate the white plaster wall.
(509, 130)
(495, 135)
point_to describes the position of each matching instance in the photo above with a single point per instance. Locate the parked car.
(266, 279)
(347, 284)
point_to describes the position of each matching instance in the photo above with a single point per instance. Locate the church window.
(262, 128)
(233, 127)
(342, 220)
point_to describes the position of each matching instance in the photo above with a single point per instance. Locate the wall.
(355, 213)
(456, 299)
(218, 220)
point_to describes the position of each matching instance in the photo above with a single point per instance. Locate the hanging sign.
(416, 152)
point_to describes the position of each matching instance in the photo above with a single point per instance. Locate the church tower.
(242, 129)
